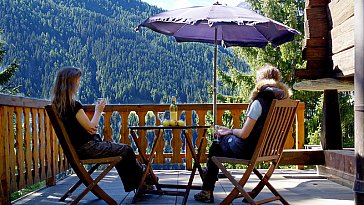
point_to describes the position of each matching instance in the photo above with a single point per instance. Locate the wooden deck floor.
(299, 187)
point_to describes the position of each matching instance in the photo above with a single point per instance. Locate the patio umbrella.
(220, 25)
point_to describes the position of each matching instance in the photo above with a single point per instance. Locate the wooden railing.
(30, 151)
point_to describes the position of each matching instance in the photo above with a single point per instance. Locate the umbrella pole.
(214, 91)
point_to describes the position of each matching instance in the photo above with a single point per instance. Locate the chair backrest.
(275, 130)
(64, 140)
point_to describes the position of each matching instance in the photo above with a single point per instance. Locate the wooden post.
(300, 126)
(4, 186)
(331, 125)
(300, 129)
(359, 102)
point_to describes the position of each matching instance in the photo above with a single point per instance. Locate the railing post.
(51, 178)
(4, 186)
(300, 128)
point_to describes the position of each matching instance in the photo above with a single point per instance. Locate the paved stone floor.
(301, 187)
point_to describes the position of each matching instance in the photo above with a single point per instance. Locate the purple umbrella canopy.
(235, 26)
(220, 25)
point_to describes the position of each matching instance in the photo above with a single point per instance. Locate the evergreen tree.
(287, 58)
(7, 71)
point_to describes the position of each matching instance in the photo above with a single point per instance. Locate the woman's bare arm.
(91, 125)
(242, 133)
(246, 130)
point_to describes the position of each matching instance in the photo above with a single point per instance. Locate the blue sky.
(175, 4)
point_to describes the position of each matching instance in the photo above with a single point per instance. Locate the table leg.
(148, 169)
(148, 162)
(196, 164)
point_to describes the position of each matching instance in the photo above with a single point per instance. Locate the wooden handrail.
(31, 152)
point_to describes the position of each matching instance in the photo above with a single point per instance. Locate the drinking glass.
(103, 99)
(161, 117)
(216, 138)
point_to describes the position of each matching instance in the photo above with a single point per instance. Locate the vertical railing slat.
(42, 145)
(143, 143)
(159, 157)
(48, 154)
(202, 121)
(176, 143)
(107, 127)
(35, 144)
(124, 131)
(54, 158)
(19, 148)
(11, 150)
(27, 149)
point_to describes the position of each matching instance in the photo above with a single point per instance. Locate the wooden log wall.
(342, 35)
(316, 43)
(329, 40)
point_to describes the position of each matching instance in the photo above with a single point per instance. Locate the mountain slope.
(99, 37)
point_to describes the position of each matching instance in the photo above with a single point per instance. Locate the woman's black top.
(78, 135)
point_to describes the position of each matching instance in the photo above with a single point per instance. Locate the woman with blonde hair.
(241, 143)
(82, 130)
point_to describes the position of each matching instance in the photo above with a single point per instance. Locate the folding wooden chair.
(268, 150)
(78, 165)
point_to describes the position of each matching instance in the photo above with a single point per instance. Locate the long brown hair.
(65, 88)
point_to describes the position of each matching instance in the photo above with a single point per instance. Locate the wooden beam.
(302, 157)
(317, 12)
(325, 84)
(313, 73)
(343, 160)
(315, 42)
(339, 166)
(316, 28)
(13, 100)
(315, 53)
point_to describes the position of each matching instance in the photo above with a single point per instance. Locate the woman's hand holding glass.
(100, 105)
(221, 131)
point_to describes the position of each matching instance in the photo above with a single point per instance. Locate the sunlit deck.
(32, 154)
(297, 186)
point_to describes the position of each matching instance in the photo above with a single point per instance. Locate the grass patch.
(18, 194)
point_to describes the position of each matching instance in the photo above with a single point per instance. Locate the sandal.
(205, 196)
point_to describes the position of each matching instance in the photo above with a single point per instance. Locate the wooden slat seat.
(268, 150)
(78, 165)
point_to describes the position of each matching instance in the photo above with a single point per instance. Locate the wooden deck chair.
(268, 150)
(77, 164)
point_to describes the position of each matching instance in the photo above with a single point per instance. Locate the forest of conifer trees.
(99, 37)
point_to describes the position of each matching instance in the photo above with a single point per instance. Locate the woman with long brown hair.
(82, 130)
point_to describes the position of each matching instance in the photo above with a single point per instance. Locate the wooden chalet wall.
(328, 47)
(316, 47)
(329, 51)
(342, 35)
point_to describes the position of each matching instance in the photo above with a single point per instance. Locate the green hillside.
(99, 37)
